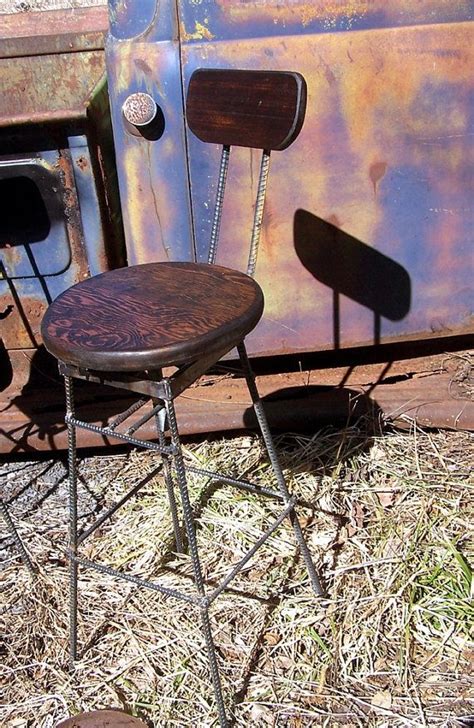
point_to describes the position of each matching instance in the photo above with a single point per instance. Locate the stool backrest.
(258, 109)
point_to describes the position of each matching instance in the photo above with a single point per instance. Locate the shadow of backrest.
(352, 268)
(301, 408)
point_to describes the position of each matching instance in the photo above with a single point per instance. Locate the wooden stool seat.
(151, 315)
(102, 719)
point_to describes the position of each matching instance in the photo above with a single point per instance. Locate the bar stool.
(121, 328)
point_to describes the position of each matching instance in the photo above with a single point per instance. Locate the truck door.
(369, 216)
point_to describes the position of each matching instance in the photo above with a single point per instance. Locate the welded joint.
(143, 420)
(167, 390)
(170, 449)
(252, 551)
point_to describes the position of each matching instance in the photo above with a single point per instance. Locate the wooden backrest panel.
(259, 109)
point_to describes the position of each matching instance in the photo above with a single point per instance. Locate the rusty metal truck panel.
(379, 172)
(157, 216)
(58, 195)
(425, 390)
(230, 20)
(375, 195)
(27, 34)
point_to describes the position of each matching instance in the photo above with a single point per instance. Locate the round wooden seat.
(102, 719)
(151, 315)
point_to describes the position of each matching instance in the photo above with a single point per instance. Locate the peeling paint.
(201, 32)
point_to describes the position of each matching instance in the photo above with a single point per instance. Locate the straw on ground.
(390, 528)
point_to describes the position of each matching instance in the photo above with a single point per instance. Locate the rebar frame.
(160, 419)
(216, 223)
(72, 476)
(258, 214)
(175, 475)
(162, 391)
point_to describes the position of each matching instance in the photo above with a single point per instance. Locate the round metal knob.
(139, 109)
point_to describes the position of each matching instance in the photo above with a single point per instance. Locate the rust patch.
(82, 163)
(461, 368)
(200, 33)
(47, 88)
(6, 312)
(377, 171)
(52, 31)
(73, 218)
(11, 256)
(21, 320)
(421, 391)
(142, 66)
(440, 327)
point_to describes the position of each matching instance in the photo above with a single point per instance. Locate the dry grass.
(390, 532)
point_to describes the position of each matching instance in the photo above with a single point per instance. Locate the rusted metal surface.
(382, 170)
(40, 240)
(28, 6)
(38, 89)
(52, 31)
(60, 220)
(153, 175)
(229, 20)
(50, 63)
(90, 219)
(20, 322)
(434, 392)
(42, 255)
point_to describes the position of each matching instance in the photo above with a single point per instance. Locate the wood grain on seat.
(259, 109)
(151, 315)
(102, 719)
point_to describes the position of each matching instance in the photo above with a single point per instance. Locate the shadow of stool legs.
(16, 537)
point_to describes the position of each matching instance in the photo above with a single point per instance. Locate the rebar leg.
(282, 486)
(73, 567)
(160, 419)
(16, 537)
(192, 542)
